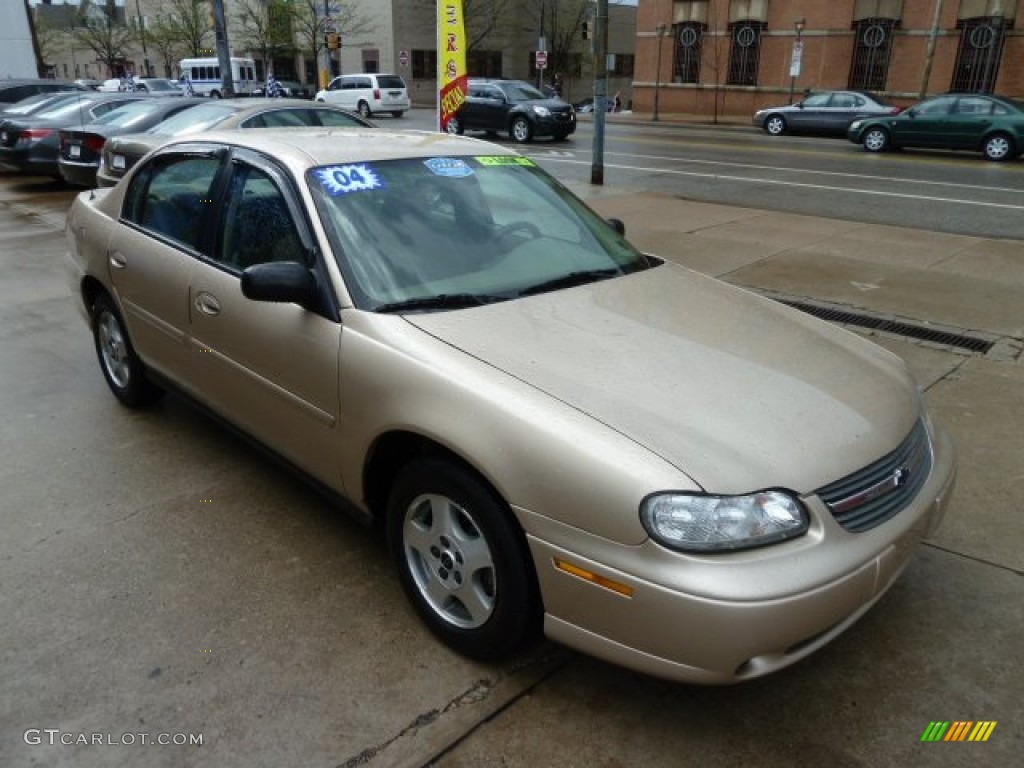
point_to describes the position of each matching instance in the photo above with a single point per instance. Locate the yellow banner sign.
(452, 78)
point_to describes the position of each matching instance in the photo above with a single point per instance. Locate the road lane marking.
(808, 171)
(776, 182)
(811, 171)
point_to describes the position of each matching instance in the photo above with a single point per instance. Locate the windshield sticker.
(504, 160)
(448, 166)
(341, 179)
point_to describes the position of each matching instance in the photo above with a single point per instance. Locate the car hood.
(739, 392)
(555, 105)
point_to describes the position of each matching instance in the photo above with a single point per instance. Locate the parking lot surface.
(161, 577)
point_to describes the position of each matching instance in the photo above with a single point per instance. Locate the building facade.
(376, 36)
(732, 57)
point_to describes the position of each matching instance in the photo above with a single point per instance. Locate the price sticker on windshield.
(505, 160)
(340, 180)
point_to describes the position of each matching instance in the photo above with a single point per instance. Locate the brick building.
(732, 57)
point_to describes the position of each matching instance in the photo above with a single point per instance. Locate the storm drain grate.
(958, 340)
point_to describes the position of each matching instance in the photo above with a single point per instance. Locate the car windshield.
(131, 113)
(439, 233)
(160, 85)
(62, 109)
(194, 119)
(36, 103)
(521, 91)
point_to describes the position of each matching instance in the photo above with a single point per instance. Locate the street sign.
(794, 64)
(541, 59)
(403, 58)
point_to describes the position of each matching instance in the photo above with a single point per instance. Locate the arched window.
(689, 38)
(744, 51)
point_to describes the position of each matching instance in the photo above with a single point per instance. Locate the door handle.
(207, 303)
(117, 259)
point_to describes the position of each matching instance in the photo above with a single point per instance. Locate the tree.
(266, 27)
(311, 30)
(190, 23)
(561, 22)
(103, 32)
(168, 47)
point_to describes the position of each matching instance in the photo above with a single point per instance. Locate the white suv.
(367, 94)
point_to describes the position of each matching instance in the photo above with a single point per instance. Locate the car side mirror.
(617, 225)
(280, 281)
(799, 105)
(910, 113)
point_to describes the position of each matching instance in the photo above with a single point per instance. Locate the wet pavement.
(159, 576)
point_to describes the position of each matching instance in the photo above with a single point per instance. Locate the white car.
(368, 94)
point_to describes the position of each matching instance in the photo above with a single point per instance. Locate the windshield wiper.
(581, 277)
(441, 301)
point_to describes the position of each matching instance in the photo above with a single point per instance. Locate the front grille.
(869, 497)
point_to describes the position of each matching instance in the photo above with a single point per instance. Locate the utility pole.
(220, 29)
(929, 56)
(600, 91)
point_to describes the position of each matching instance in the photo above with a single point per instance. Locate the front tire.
(999, 147)
(876, 140)
(214, 94)
(462, 560)
(454, 126)
(775, 125)
(363, 109)
(521, 130)
(124, 372)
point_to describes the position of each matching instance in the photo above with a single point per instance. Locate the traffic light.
(333, 41)
(588, 30)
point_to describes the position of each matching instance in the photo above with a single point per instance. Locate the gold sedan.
(558, 432)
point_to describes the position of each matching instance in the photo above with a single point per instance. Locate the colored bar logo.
(958, 730)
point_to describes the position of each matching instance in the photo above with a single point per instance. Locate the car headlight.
(856, 124)
(542, 111)
(699, 523)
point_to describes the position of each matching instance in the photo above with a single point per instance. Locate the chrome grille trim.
(870, 496)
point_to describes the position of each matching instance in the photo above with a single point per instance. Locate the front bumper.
(554, 124)
(746, 614)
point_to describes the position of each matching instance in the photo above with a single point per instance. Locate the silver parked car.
(556, 430)
(825, 112)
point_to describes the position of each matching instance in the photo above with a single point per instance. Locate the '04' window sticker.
(341, 179)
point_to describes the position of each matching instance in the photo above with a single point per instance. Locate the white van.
(368, 93)
(203, 75)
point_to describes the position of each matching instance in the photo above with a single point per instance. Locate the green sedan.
(993, 125)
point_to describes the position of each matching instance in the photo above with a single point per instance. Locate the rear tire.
(214, 94)
(999, 147)
(397, 113)
(124, 372)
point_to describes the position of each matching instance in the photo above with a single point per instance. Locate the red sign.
(403, 58)
(542, 59)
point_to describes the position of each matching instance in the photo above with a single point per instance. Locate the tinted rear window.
(390, 81)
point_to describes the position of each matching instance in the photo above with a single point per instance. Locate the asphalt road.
(732, 164)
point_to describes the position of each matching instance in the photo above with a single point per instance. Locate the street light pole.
(142, 34)
(795, 62)
(660, 29)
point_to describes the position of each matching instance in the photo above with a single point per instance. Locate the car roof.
(302, 148)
